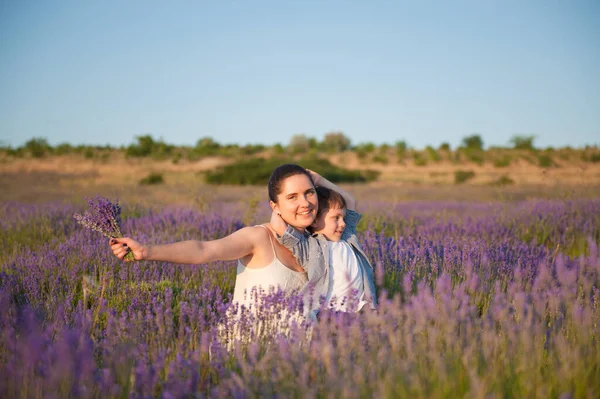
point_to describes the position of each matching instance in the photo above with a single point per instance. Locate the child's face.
(330, 224)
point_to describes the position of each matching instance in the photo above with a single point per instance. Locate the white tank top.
(273, 276)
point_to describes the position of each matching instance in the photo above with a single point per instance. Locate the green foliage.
(151, 179)
(432, 154)
(594, 158)
(300, 143)
(33, 234)
(445, 146)
(369, 147)
(473, 142)
(401, 148)
(147, 146)
(419, 159)
(206, 146)
(176, 158)
(38, 147)
(256, 171)
(545, 161)
(461, 176)
(362, 155)
(363, 150)
(380, 158)
(251, 149)
(503, 161)
(336, 142)
(474, 155)
(63, 149)
(529, 158)
(88, 153)
(523, 142)
(503, 181)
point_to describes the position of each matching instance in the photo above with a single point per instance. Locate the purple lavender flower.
(103, 217)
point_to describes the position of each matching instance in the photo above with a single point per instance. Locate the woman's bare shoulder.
(259, 233)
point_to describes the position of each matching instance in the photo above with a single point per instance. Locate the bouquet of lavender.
(105, 218)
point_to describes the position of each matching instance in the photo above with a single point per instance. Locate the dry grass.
(70, 178)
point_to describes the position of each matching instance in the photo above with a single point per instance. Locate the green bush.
(523, 142)
(419, 159)
(361, 154)
(146, 146)
(594, 158)
(474, 155)
(335, 141)
(474, 142)
(380, 158)
(502, 162)
(545, 161)
(63, 149)
(461, 176)
(256, 171)
(432, 154)
(152, 178)
(401, 148)
(176, 158)
(503, 181)
(38, 147)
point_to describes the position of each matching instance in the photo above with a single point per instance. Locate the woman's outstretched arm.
(234, 246)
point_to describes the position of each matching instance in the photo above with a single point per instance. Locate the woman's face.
(297, 202)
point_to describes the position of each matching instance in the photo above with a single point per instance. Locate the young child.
(338, 270)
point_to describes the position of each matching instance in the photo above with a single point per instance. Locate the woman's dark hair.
(281, 173)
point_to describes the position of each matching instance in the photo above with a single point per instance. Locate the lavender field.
(477, 299)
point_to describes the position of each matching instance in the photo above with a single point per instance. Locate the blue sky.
(427, 72)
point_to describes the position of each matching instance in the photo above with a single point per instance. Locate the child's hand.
(278, 224)
(316, 178)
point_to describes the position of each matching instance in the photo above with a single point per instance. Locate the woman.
(263, 263)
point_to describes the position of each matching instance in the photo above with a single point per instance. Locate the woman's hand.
(121, 246)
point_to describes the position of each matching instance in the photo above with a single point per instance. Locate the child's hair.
(329, 199)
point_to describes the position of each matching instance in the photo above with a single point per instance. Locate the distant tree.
(207, 142)
(444, 146)
(38, 147)
(522, 142)
(63, 148)
(146, 146)
(299, 143)
(384, 148)
(206, 146)
(365, 147)
(143, 147)
(432, 154)
(313, 143)
(336, 142)
(250, 149)
(401, 148)
(473, 142)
